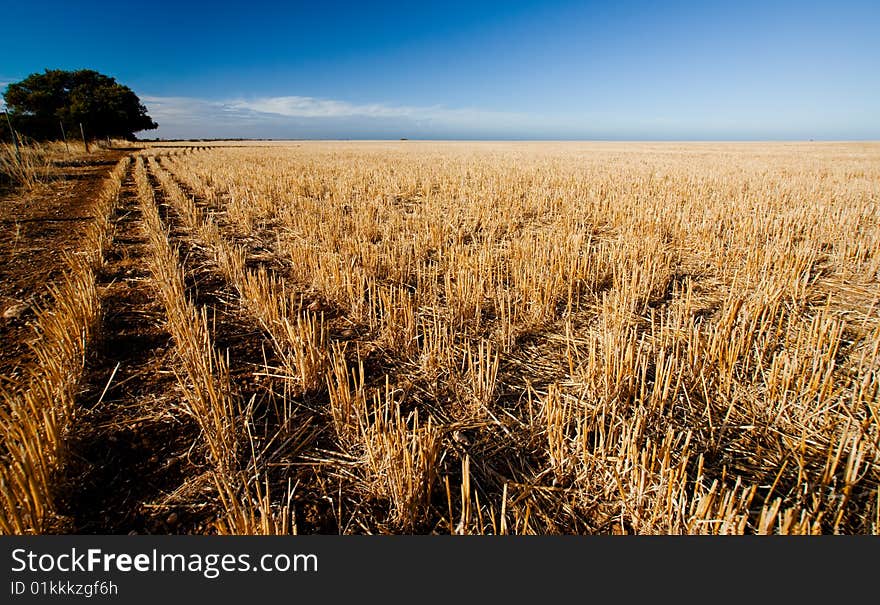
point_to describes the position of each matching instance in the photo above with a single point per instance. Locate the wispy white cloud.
(300, 117)
(310, 117)
(310, 107)
(4, 82)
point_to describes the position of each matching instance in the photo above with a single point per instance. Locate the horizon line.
(506, 140)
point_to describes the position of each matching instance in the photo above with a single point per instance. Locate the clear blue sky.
(518, 69)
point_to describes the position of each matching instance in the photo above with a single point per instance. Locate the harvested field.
(487, 338)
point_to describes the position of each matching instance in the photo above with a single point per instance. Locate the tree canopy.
(102, 105)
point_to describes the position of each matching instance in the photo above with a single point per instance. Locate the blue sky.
(517, 69)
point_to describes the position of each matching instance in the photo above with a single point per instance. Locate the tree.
(103, 106)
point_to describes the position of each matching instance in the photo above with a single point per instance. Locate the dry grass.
(35, 418)
(533, 338)
(600, 338)
(34, 164)
(210, 397)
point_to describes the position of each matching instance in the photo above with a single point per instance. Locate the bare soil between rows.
(37, 229)
(132, 445)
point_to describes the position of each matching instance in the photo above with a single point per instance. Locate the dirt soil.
(135, 462)
(133, 459)
(37, 229)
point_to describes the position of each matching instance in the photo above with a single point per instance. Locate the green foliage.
(41, 102)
